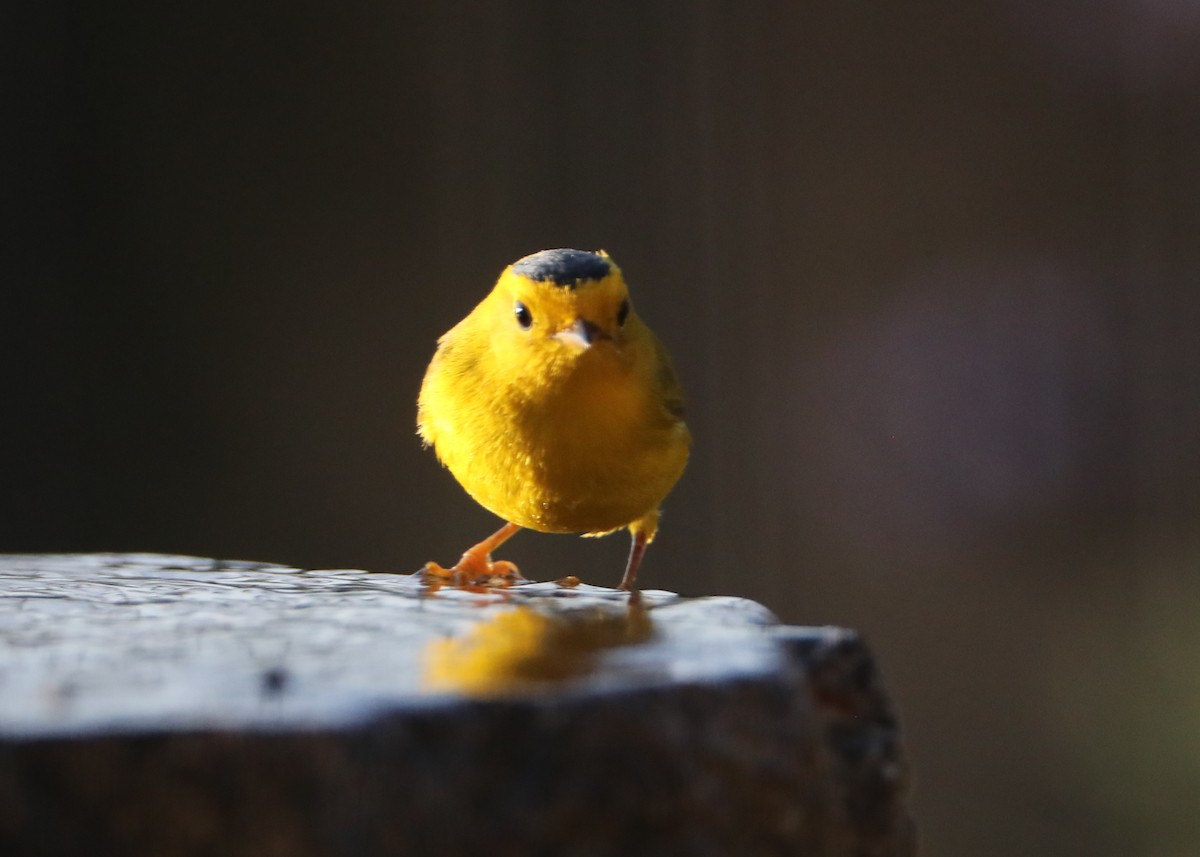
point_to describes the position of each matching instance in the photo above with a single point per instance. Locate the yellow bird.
(556, 409)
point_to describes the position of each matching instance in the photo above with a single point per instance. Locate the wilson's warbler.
(556, 408)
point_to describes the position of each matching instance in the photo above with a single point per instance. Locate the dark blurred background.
(930, 274)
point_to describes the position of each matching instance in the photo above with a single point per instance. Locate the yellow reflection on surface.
(524, 647)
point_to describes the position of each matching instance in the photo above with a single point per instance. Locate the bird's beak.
(581, 334)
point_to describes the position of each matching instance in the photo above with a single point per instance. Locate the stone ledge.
(174, 705)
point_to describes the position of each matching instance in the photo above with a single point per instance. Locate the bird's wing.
(670, 392)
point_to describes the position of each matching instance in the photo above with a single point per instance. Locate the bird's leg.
(636, 550)
(476, 567)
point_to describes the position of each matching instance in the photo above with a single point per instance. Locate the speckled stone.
(164, 705)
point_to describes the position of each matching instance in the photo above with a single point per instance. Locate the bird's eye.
(524, 316)
(623, 313)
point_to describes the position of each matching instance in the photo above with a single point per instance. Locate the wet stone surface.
(157, 704)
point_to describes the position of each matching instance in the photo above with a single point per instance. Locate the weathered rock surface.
(161, 705)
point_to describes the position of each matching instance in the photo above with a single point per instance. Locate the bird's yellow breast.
(590, 452)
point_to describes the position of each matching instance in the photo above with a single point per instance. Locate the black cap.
(563, 267)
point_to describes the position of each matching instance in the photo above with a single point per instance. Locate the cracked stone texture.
(165, 705)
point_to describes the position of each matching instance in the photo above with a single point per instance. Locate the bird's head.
(558, 308)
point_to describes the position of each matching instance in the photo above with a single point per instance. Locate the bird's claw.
(472, 571)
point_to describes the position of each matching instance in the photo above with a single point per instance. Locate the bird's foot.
(474, 570)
